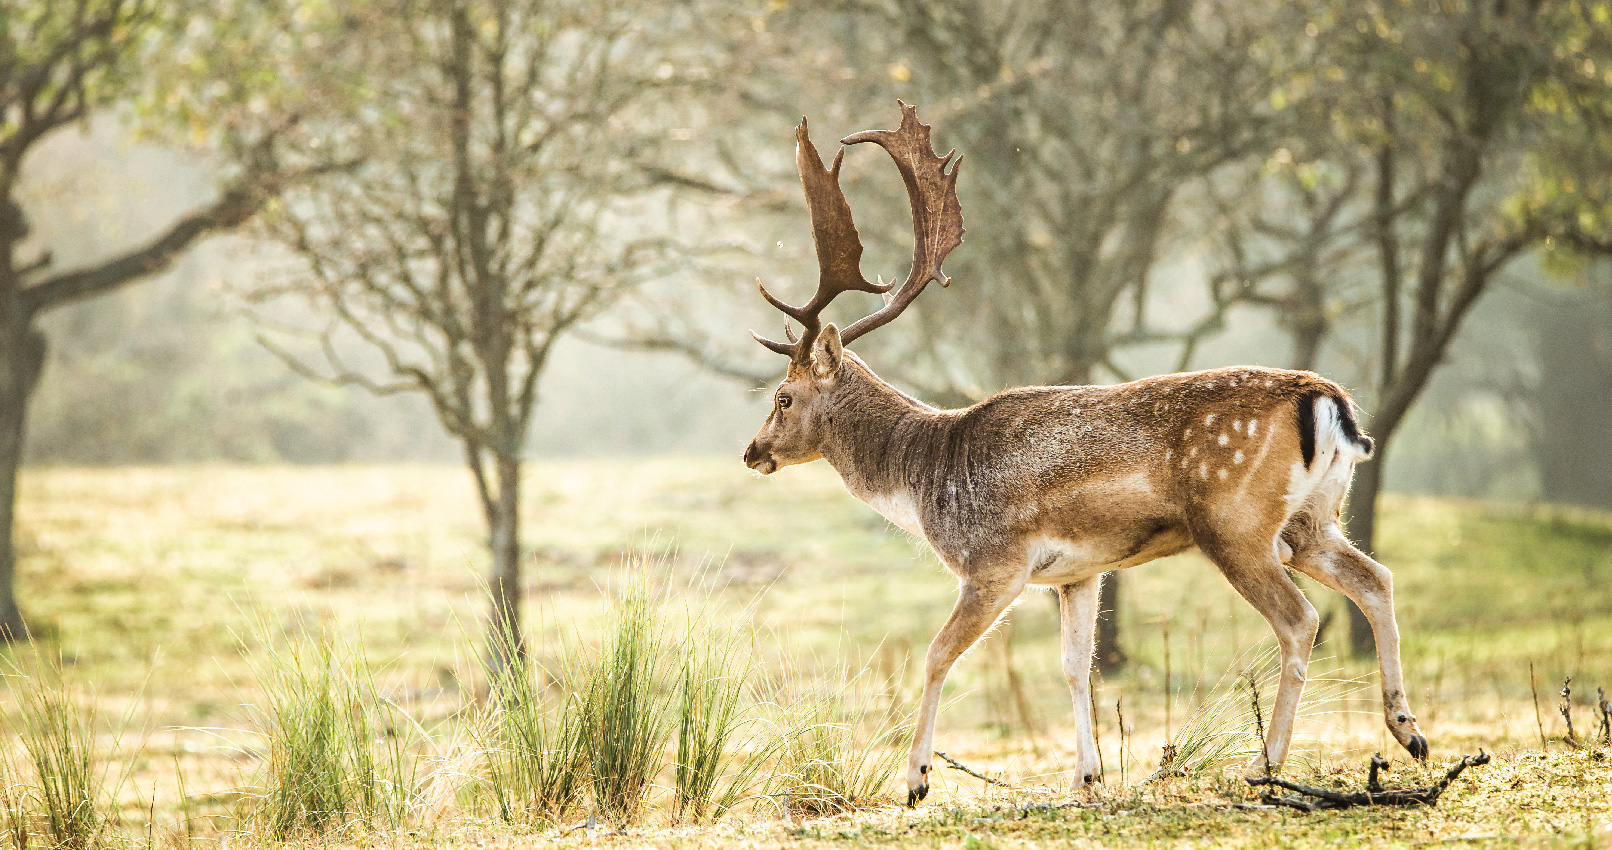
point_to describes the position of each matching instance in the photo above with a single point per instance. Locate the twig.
(957, 765)
(1259, 723)
(1377, 763)
(1538, 720)
(1167, 768)
(1324, 798)
(1566, 708)
(1119, 711)
(1096, 729)
(1606, 716)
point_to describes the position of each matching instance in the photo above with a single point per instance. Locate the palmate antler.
(937, 228)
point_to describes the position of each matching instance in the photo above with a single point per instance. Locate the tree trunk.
(507, 641)
(1108, 657)
(22, 356)
(1362, 524)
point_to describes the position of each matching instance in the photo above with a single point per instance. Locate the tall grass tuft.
(335, 752)
(838, 749)
(715, 667)
(626, 707)
(1218, 732)
(536, 757)
(62, 785)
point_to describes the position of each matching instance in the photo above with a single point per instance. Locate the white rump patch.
(1327, 479)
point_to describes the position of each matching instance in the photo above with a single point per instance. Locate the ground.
(162, 588)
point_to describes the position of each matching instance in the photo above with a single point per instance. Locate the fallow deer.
(1055, 486)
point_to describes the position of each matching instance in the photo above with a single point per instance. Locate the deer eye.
(783, 402)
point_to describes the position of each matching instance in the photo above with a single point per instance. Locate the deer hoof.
(1417, 747)
(916, 795)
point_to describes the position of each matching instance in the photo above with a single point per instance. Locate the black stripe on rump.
(1307, 426)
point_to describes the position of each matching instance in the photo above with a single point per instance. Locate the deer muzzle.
(759, 460)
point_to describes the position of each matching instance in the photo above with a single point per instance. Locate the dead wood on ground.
(1374, 795)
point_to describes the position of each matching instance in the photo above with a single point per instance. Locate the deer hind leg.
(1329, 558)
(1250, 563)
(1077, 611)
(980, 602)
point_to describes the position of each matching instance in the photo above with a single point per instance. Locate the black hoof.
(916, 796)
(1088, 779)
(1417, 748)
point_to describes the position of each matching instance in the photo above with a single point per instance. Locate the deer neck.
(882, 442)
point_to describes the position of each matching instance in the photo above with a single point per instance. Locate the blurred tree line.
(483, 207)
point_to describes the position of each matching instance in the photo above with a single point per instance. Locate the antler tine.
(937, 215)
(839, 247)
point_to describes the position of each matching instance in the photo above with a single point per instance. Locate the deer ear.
(827, 351)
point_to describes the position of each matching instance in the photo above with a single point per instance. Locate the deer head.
(794, 430)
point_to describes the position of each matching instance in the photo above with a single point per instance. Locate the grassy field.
(165, 593)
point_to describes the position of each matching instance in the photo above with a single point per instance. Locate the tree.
(61, 65)
(1446, 141)
(505, 196)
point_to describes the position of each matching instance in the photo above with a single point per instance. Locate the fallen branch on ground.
(957, 765)
(1374, 795)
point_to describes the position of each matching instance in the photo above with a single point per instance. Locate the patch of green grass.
(334, 751)
(142, 574)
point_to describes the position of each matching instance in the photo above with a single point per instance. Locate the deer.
(1057, 486)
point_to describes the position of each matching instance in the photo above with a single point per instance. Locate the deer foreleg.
(1077, 610)
(979, 603)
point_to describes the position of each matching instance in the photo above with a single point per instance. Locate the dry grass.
(145, 582)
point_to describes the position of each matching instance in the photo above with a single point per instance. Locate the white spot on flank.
(1203, 470)
(1224, 439)
(1268, 382)
(1168, 453)
(1194, 452)
(1222, 474)
(1209, 420)
(1252, 424)
(1187, 433)
(1237, 426)
(1238, 457)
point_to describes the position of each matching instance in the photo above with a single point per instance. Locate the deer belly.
(1057, 561)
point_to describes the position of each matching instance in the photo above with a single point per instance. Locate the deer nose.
(750, 453)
